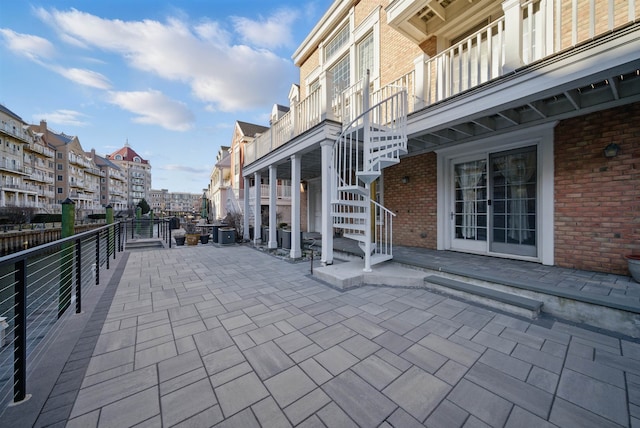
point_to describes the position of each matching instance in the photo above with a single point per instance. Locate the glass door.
(469, 213)
(513, 201)
(495, 203)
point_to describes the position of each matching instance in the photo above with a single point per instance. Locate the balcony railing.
(526, 33)
(282, 191)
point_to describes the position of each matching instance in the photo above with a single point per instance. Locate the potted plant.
(179, 237)
(204, 238)
(633, 262)
(191, 233)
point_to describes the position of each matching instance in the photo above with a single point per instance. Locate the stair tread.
(501, 296)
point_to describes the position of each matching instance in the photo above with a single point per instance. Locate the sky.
(170, 78)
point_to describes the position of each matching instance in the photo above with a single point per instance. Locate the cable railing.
(40, 287)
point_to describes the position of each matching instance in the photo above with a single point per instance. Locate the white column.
(327, 219)
(513, 35)
(256, 208)
(247, 209)
(273, 226)
(326, 96)
(421, 81)
(296, 252)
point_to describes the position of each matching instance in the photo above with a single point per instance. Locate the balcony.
(282, 191)
(15, 131)
(523, 34)
(10, 166)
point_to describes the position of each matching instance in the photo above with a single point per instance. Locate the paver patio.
(209, 336)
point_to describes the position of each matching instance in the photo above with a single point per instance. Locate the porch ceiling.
(565, 86)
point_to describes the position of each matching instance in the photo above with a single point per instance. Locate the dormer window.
(137, 159)
(118, 157)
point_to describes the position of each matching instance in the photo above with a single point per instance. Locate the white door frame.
(543, 137)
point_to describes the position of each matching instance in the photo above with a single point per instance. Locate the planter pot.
(634, 266)
(204, 239)
(192, 238)
(179, 240)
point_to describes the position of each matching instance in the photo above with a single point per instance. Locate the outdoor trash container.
(226, 236)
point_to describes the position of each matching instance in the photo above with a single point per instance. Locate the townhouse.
(113, 183)
(502, 128)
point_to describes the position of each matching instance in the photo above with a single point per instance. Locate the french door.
(495, 203)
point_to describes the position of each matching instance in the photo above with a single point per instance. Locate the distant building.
(76, 175)
(26, 177)
(113, 183)
(138, 173)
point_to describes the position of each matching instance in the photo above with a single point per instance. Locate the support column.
(422, 83)
(326, 83)
(296, 252)
(256, 207)
(247, 209)
(273, 226)
(513, 35)
(327, 219)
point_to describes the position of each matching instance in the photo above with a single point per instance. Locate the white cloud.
(32, 47)
(272, 32)
(186, 168)
(154, 108)
(62, 117)
(86, 77)
(230, 76)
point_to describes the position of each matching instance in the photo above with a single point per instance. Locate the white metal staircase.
(368, 144)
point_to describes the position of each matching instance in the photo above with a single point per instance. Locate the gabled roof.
(251, 129)
(6, 111)
(100, 161)
(127, 154)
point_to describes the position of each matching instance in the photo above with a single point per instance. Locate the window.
(365, 55)
(118, 157)
(59, 155)
(59, 178)
(137, 159)
(336, 43)
(59, 189)
(59, 167)
(341, 74)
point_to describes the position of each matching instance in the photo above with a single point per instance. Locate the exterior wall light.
(611, 151)
(405, 179)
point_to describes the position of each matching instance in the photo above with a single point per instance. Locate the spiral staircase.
(371, 142)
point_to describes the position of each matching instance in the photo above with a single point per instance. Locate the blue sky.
(171, 78)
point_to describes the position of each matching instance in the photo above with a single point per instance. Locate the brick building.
(516, 139)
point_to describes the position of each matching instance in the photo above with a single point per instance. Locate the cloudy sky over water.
(171, 78)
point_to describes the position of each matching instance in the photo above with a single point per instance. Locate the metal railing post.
(78, 276)
(20, 334)
(107, 244)
(97, 258)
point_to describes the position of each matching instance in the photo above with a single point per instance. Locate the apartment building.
(502, 128)
(113, 183)
(159, 200)
(138, 173)
(220, 188)
(26, 177)
(76, 175)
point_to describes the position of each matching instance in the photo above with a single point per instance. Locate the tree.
(144, 206)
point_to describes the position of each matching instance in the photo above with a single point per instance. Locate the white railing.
(466, 64)
(282, 191)
(309, 112)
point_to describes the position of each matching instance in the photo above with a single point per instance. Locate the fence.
(44, 284)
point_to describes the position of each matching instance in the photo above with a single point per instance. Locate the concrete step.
(507, 302)
(143, 244)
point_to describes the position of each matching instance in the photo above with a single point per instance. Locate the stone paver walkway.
(205, 336)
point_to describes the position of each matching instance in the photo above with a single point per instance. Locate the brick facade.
(414, 202)
(597, 200)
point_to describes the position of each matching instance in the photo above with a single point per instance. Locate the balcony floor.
(211, 335)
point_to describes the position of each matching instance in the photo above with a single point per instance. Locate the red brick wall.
(413, 203)
(597, 200)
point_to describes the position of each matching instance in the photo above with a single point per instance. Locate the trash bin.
(285, 239)
(226, 236)
(174, 223)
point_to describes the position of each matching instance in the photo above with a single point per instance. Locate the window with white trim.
(340, 40)
(365, 55)
(341, 73)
